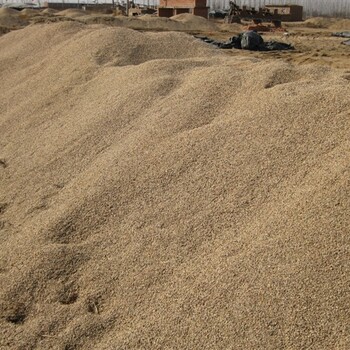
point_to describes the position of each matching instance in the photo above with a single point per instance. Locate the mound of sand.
(187, 17)
(319, 22)
(4, 30)
(231, 27)
(10, 18)
(6, 11)
(195, 21)
(72, 13)
(27, 13)
(151, 23)
(343, 24)
(49, 11)
(149, 17)
(328, 23)
(159, 194)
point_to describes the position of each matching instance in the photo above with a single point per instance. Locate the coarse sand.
(8, 11)
(4, 30)
(49, 11)
(328, 23)
(28, 13)
(157, 193)
(72, 13)
(176, 23)
(10, 18)
(197, 21)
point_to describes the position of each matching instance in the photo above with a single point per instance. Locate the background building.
(339, 8)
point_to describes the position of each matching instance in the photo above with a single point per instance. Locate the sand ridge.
(10, 18)
(312, 38)
(328, 23)
(158, 193)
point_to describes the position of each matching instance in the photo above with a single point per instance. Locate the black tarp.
(249, 40)
(342, 34)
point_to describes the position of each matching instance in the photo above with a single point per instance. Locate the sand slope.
(330, 23)
(158, 194)
(10, 18)
(176, 23)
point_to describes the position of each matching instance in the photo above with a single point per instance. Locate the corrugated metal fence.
(339, 8)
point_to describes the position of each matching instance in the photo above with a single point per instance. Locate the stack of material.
(11, 19)
(159, 194)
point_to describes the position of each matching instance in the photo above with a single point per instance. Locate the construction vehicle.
(134, 9)
(286, 13)
(236, 13)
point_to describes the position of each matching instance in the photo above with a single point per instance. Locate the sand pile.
(195, 21)
(12, 19)
(343, 24)
(4, 30)
(158, 194)
(27, 13)
(231, 27)
(327, 23)
(176, 23)
(8, 11)
(148, 17)
(72, 13)
(49, 11)
(318, 22)
(9, 18)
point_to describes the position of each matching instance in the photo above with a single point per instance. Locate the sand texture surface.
(11, 19)
(312, 39)
(327, 23)
(157, 193)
